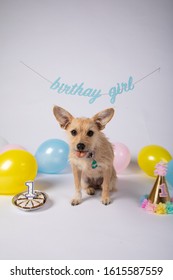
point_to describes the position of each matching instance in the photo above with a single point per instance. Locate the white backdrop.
(100, 43)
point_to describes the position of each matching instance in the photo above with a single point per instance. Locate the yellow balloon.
(150, 155)
(16, 168)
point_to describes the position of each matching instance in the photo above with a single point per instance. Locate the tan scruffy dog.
(91, 154)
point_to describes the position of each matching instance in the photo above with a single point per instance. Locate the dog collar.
(94, 162)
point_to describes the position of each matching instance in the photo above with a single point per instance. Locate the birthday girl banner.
(80, 89)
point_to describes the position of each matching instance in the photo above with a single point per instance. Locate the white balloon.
(3, 142)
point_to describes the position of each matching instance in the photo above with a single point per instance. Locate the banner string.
(158, 69)
(36, 72)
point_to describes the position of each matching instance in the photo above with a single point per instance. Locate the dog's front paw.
(75, 201)
(106, 200)
(77, 198)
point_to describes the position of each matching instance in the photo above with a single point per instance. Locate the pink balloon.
(122, 157)
(11, 147)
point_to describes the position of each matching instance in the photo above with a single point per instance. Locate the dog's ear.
(63, 117)
(103, 117)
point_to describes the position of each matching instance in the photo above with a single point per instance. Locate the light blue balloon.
(52, 156)
(169, 175)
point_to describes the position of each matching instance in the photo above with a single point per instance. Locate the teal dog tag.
(94, 164)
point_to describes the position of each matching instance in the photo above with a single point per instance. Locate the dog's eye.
(90, 133)
(74, 132)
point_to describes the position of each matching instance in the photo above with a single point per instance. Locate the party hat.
(159, 200)
(160, 193)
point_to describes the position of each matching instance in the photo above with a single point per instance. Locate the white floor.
(91, 230)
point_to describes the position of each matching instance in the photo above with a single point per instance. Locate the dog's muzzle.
(80, 152)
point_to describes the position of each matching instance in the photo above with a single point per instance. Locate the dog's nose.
(80, 146)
